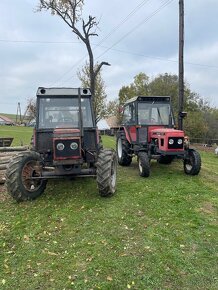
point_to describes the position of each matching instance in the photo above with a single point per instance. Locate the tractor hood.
(154, 132)
(167, 131)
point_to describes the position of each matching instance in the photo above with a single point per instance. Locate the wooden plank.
(12, 149)
(6, 141)
(5, 160)
(2, 177)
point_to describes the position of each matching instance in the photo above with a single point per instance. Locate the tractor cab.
(149, 111)
(65, 116)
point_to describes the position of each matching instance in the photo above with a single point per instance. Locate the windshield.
(154, 114)
(64, 113)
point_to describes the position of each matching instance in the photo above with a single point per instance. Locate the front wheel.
(192, 162)
(21, 176)
(106, 172)
(144, 164)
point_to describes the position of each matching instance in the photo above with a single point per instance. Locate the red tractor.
(66, 144)
(148, 131)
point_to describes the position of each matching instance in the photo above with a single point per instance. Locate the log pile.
(6, 153)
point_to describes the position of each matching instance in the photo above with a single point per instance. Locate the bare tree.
(70, 11)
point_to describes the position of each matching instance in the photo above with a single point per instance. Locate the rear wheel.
(123, 150)
(19, 176)
(192, 163)
(144, 164)
(106, 172)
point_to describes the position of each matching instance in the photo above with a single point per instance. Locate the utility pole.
(181, 114)
(18, 113)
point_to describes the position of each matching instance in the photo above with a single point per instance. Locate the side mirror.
(182, 114)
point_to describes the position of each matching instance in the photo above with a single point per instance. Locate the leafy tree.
(138, 87)
(112, 108)
(100, 96)
(70, 11)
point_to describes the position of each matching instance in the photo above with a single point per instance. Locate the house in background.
(6, 121)
(108, 126)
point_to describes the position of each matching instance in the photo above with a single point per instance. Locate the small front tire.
(192, 162)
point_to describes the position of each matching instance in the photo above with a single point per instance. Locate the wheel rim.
(31, 169)
(119, 148)
(189, 164)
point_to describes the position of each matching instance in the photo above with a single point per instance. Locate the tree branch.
(99, 67)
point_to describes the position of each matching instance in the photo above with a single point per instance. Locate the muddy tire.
(106, 172)
(192, 164)
(123, 150)
(165, 159)
(18, 176)
(144, 164)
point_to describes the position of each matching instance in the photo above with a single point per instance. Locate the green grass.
(154, 233)
(21, 135)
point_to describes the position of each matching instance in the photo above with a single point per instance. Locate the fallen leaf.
(3, 281)
(109, 278)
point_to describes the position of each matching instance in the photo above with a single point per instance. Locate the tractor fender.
(126, 133)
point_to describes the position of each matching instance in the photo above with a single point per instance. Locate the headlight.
(60, 146)
(73, 145)
(171, 141)
(179, 141)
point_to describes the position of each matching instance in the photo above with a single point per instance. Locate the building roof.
(5, 119)
(103, 125)
(112, 121)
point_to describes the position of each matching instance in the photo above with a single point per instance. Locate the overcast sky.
(37, 49)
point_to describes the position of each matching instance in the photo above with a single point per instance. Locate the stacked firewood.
(6, 153)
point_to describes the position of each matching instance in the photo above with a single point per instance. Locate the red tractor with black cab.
(148, 132)
(65, 144)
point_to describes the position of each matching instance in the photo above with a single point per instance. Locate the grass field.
(154, 233)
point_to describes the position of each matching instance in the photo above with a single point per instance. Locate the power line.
(124, 20)
(38, 41)
(142, 22)
(108, 35)
(138, 25)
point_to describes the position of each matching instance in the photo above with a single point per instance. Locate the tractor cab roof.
(149, 99)
(63, 92)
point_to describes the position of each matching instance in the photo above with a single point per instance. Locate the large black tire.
(192, 162)
(18, 176)
(106, 172)
(144, 164)
(165, 159)
(123, 150)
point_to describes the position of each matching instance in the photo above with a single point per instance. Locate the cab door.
(129, 121)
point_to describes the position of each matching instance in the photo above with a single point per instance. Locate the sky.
(38, 49)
